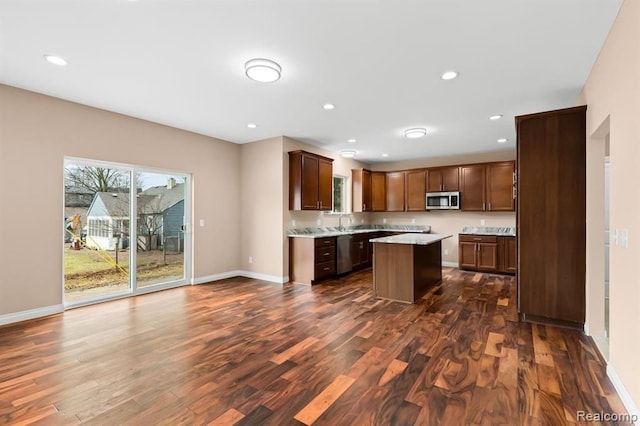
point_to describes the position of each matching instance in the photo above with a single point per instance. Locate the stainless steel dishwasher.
(343, 254)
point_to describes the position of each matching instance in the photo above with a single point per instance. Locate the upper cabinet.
(395, 191)
(361, 190)
(378, 191)
(416, 187)
(488, 186)
(310, 181)
(443, 179)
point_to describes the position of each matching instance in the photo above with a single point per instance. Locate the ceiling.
(181, 63)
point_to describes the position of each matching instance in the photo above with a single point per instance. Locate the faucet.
(340, 227)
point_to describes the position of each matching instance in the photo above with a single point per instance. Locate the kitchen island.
(406, 266)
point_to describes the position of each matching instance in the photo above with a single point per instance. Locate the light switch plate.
(201, 222)
(482, 222)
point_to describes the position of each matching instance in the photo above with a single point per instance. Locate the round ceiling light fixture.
(495, 117)
(449, 75)
(385, 155)
(328, 106)
(415, 132)
(348, 153)
(503, 140)
(55, 60)
(252, 125)
(352, 141)
(262, 70)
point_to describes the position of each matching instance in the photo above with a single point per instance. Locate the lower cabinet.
(312, 259)
(487, 253)
(362, 250)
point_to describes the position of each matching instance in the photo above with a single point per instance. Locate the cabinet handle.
(326, 269)
(327, 254)
(320, 204)
(364, 206)
(514, 193)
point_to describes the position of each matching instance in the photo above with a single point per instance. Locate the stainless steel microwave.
(443, 200)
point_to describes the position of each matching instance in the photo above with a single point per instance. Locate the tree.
(97, 179)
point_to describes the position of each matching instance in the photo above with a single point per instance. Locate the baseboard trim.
(239, 273)
(628, 402)
(31, 314)
(450, 264)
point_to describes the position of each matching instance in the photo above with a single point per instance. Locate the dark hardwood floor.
(241, 351)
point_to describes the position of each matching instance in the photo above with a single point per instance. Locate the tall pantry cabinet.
(551, 215)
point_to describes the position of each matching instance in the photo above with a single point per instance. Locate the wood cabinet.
(360, 255)
(312, 259)
(507, 262)
(416, 189)
(472, 187)
(551, 215)
(310, 181)
(487, 186)
(443, 179)
(361, 190)
(478, 252)
(395, 184)
(378, 191)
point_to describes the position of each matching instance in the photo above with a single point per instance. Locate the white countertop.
(412, 239)
(333, 233)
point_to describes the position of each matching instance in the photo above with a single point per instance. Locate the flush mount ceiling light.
(385, 155)
(352, 141)
(503, 140)
(262, 70)
(415, 132)
(449, 75)
(328, 106)
(348, 153)
(495, 117)
(252, 125)
(55, 60)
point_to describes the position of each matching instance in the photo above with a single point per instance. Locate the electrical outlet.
(384, 220)
(201, 222)
(250, 259)
(293, 223)
(446, 251)
(413, 221)
(482, 222)
(319, 222)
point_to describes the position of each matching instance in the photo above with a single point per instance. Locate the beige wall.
(612, 93)
(262, 192)
(38, 131)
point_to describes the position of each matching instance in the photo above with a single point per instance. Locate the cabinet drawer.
(325, 254)
(326, 241)
(325, 269)
(477, 238)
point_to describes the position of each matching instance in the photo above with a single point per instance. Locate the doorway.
(125, 230)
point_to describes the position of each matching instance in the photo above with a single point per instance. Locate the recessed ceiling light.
(495, 117)
(252, 125)
(385, 155)
(352, 141)
(56, 60)
(328, 106)
(503, 140)
(262, 70)
(347, 153)
(415, 132)
(449, 75)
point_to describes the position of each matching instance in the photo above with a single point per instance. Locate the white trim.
(31, 314)
(628, 402)
(450, 264)
(239, 273)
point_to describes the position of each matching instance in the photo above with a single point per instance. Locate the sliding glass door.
(124, 230)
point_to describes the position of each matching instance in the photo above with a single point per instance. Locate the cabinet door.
(472, 187)
(378, 192)
(416, 188)
(395, 191)
(451, 179)
(487, 257)
(310, 182)
(325, 185)
(434, 180)
(510, 262)
(500, 186)
(355, 253)
(467, 255)
(360, 190)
